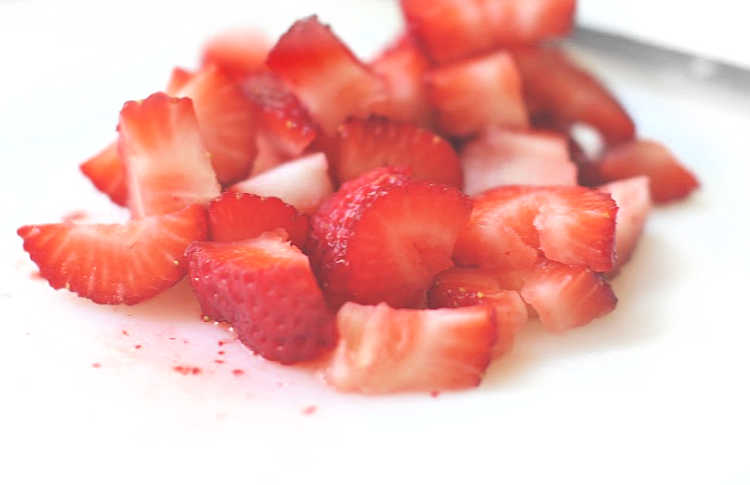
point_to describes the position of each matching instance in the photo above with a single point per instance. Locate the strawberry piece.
(473, 94)
(461, 287)
(502, 157)
(669, 180)
(264, 287)
(106, 172)
(633, 200)
(403, 66)
(567, 296)
(303, 183)
(511, 225)
(383, 350)
(451, 30)
(557, 89)
(167, 165)
(236, 216)
(376, 142)
(226, 119)
(239, 53)
(383, 237)
(115, 263)
(325, 74)
(178, 80)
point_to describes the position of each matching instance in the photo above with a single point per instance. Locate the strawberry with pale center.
(115, 263)
(384, 236)
(383, 350)
(633, 199)
(264, 287)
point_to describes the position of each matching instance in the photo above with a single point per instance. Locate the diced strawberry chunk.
(503, 157)
(167, 164)
(302, 183)
(462, 287)
(178, 80)
(323, 73)
(668, 178)
(115, 263)
(236, 216)
(237, 52)
(512, 226)
(473, 94)
(264, 287)
(566, 296)
(384, 236)
(106, 172)
(377, 142)
(403, 66)
(633, 199)
(383, 350)
(557, 89)
(451, 30)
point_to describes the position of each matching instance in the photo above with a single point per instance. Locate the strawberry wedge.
(106, 172)
(633, 199)
(239, 52)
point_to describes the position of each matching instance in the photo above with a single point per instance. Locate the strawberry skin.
(325, 75)
(264, 287)
(376, 142)
(115, 263)
(236, 216)
(512, 226)
(475, 93)
(504, 157)
(382, 350)
(106, 172)
(633, 199)
(384, 236)
(239, 53)
(166, 162)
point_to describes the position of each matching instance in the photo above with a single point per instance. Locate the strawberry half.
(265, 289)
(669, 180)
(512, 226)
(476, 93)
(403, 66)
(384, 236)
(115, 263)
(561, 92)
(451, 30)
(377, 142)
(239, 53)
(633, 200)
(323, 73)
(503, 157)
(166, 162)
(462, 287)
(302, 183)
(106, 172)
(383, 350)
(236, 216)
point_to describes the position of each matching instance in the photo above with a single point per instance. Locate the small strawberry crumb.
(221, 342)
(187, 370)
(125, 332)
(219, 361)
(435, 393)
(309, 410)
(185, 341)
(137, 346)
(172, 338)
(221, 352)
(96, 365)
(238, 372)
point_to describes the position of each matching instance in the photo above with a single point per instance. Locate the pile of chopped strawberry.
(401, 219)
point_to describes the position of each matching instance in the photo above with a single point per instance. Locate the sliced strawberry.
(106, 172)
(303, 183)
(461, 287)
(167, 164)
(236, 216)
(325, 75)
(512, 226)
(178, 80)
(403, 66)
(557, 89)
(237, 52)
(115, 263)
(383, 350)
(378, 142)
(451, 30)
(669, 180)
(383, 237)
(503, 157)
(473, 94)
(633, 200)
(567, 296)
(264, 287)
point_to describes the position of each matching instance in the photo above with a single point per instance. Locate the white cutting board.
(657, 392)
